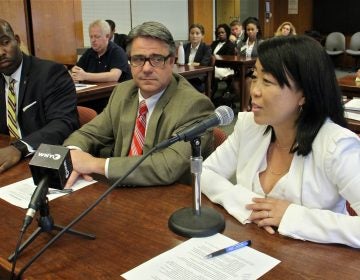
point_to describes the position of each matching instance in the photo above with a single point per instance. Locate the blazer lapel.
(128, 124)
(152, 128)
(23, 80)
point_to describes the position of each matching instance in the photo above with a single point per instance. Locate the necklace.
(282, 147)
(271, 170)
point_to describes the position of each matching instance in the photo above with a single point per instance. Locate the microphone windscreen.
(225, 115)
(53, 162)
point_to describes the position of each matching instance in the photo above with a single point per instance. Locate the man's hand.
(9, 156)
(267, 212)
(78, 74)
(84, 164)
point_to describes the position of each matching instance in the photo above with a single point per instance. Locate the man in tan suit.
(172, 104)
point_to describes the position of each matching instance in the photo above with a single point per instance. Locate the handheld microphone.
(50, 166)
(223, 115)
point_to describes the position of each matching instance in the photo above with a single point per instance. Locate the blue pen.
(229, 249)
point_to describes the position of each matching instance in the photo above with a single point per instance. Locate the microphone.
(50, 166)
(223, 115)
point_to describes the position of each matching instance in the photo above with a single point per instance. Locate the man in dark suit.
(119, 39)
(45, 100)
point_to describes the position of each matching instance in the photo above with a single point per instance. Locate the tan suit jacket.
(179, 106)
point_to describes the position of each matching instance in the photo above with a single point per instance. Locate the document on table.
(187, 262)
(19, 193)
(353, 104)
(83, 86)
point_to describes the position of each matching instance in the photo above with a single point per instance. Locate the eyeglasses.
(155, 60)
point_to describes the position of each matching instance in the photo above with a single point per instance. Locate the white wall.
(130, 13)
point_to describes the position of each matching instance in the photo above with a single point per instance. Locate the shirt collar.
(16, 75)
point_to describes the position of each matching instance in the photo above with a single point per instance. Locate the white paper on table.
(352, 115)
(83, 86)
(187, 262)
(19, 193)
(353, 104)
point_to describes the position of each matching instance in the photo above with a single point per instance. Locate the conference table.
(104, 90)
(131, 227)
(240, 65)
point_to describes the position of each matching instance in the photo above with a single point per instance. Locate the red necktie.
(139, 132)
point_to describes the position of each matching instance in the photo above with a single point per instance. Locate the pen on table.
(60, 191)
(229, 249)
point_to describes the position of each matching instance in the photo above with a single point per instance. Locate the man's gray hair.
(153, 30)
(104, 26)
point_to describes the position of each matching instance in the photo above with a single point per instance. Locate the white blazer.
(318, 184)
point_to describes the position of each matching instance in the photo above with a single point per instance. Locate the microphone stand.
(46, 224)
(196, 221)
(92, 206)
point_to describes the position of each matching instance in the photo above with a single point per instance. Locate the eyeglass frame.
(164, 58)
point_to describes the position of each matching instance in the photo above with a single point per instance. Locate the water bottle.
(181, 54)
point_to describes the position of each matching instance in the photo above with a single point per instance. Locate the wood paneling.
(14, 11)
(279, 13)
(201, 11)
(57, 29)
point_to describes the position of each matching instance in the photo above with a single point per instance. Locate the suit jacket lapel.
(24, 78)
(3, 125)
(151, 132)
(128, 124)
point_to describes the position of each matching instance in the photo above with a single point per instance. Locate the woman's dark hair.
(254, 21)
(305, 62)
(226, 28)
(197, 25)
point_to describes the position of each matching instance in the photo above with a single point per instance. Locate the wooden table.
(349, 87)
(100, 91)
(191, 71)
(240, 64)
(104, 90)
(131, 227)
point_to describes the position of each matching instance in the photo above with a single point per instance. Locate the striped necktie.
(11, 111)
(139, 131)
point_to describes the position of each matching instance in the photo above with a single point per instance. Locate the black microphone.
(223, 115)
(50, 166)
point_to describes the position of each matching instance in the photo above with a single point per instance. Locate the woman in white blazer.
(296, 164)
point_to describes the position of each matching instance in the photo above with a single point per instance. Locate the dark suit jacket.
(47, 103)
(202, 56)
(120, 40)
(227, 49)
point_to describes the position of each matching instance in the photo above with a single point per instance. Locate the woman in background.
(248, 46)
(285, 29)
(222, 46)
(296, 164)
(197, 53)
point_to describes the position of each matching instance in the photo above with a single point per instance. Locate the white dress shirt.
(318, 184)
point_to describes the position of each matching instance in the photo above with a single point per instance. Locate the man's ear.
(17, 38)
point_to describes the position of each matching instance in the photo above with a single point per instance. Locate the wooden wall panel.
(14, 11)
(201, 11)
(279, 9)
(56, 28)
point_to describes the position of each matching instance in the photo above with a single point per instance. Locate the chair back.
(219, 136)
(335, 42)
(85, 114)
(355, 42)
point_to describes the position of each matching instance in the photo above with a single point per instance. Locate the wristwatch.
(21, 147)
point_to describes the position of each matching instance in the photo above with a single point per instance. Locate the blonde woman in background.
(285, 29)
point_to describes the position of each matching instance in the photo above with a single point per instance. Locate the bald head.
(10, 53)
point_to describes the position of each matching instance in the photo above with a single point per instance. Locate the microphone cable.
(86, 211)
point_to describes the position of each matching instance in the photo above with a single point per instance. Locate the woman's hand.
(267, 212)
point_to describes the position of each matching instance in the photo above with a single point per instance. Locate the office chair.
(85, 114)
(335, 43)
(354, 48)
(219, 136)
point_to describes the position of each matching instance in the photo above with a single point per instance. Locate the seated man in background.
(141, 113)
(104, 61)
(37, 100)
(118, 39)
(237, 32)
